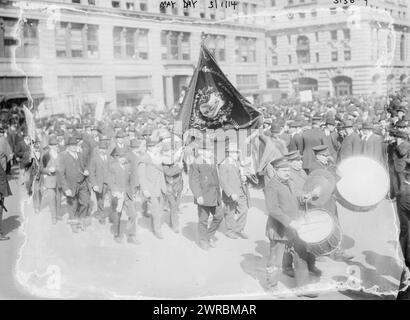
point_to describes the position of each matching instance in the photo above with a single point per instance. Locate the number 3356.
(347, 1)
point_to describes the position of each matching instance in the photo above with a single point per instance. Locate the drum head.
(326, 189)
(317, 225)
(364, 182)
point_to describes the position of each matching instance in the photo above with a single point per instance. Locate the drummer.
(298, 176)
(282, 203)
(323, 161)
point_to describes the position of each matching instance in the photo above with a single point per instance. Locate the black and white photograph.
(205, 150)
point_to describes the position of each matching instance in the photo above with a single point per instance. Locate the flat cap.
(280, 163)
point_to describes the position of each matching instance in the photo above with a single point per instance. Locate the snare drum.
(320, 232)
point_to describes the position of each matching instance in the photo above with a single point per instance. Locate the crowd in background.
(132, 163)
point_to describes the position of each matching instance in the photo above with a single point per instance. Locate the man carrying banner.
(204, 184)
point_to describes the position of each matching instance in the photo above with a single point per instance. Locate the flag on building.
(212, 102)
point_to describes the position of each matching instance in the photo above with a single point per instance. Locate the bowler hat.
(103, 144)
(348, 124)
(275, 128)
(367, 126)
(316, 117)
(118, 152)
(134, 144)
(71, 141)
(400, 134)
(401, 124)
(120, 134)
(52, 141)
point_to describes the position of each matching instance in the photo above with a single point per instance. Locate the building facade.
(128, 51)
(133, 52)
(337, 50)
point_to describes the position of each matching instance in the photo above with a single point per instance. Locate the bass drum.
(363, 183)
(320, 232)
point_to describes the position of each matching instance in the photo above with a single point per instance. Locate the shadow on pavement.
(190, 231)
(255, 266)
(347, 242)
(10, 224)
(385, 265)
(369, 278)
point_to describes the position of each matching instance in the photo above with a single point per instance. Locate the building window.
(273, 41)
(272, 3)
(216, 44)
(389, 44)
(17, 85)
(247, 81)
(334, 56)
(317, 57)
(346, 33)
(186, 12)
(272, 84)
(290, 59)
(245, 49)
(79, 84)
(303, 49)
(317, 36)
(115, 4)
(402, 47)
(24, 38)
(129, 6)
(202, 9)
(274, 59)
(76, 40)
(143, 5)
(175, 45)
(131, 90)
(130, 43)
(289, 39)
(332, 11)
(348, 55)
(91, 2)
(314, 13)
(333, 35)
(76, 1)
(302, 15)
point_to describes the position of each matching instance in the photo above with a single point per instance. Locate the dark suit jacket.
(282, 204)
(120, 179)
(48, 180)
(204, 182)
(22, 151)
(351, 146)
(173, 178)
(400, 153)
(333, 144)
(231, 183)
(311, 138)
(69, 174)
(151, 177)
(99, 170)
(296, 143)
(373, 148)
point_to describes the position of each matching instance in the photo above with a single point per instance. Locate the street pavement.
(49, 261)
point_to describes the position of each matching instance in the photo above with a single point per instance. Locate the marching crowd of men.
(128, 164)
